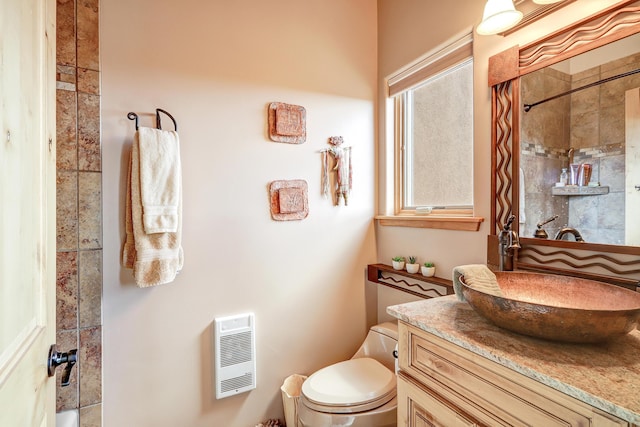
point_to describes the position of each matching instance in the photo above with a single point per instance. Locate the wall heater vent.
(235, 354)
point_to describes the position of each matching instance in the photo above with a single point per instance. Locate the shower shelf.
(572, 190)
(415, 284)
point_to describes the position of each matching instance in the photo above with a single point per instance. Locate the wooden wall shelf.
(414, 284)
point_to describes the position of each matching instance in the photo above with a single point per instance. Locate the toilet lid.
(362, 382)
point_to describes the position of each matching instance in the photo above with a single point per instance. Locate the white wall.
(408, 29)
(216, 66)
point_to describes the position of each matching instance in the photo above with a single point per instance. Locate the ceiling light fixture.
(498, 16)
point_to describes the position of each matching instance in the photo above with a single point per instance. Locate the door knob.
(57, 358)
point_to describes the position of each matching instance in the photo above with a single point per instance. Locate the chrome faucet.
(508, 242)
(569, 230)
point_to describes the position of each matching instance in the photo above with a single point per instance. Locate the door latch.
(57, 358)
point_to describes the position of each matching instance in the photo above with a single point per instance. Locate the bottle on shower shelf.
(564, 177)
(574, 168)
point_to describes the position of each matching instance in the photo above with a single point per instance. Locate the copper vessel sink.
(558, 308)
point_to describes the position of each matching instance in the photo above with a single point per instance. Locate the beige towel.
(476, 276)
(159, 179)
(155, 258)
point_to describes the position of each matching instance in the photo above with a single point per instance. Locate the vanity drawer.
(486, 390)
(420, 407)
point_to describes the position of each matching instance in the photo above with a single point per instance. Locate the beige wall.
(408, 29)
(215, 66)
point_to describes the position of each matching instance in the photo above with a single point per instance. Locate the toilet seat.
(355, 385)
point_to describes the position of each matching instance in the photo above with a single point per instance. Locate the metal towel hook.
(134, 116)
(159, 124)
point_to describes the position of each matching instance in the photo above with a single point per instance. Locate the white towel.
(155, 258)
(522, 217)
(159, 179)
(476, 276)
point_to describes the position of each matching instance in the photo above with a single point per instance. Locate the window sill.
(466, 223)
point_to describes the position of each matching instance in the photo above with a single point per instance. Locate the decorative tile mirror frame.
(611, 263)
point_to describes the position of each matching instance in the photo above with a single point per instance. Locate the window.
(437, 141)
(433, 102)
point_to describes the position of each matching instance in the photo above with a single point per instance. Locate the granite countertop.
(606, 376)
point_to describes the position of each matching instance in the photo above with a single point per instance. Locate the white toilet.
(360, 392)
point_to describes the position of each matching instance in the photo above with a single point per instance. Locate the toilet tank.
(380, 344)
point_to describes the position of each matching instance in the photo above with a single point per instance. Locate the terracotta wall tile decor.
(79, 206)
(289, 200)
(287, 123)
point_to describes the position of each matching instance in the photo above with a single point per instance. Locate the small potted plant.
(412, 265)
(398, 262)
(428, 269)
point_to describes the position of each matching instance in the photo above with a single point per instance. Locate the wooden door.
(632, 167)
(27, 211)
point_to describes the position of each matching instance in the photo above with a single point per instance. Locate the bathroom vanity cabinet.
(444, 381)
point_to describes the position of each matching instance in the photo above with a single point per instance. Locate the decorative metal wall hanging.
(342, 166)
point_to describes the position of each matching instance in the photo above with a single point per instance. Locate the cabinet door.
(491, 394)
(420, 407)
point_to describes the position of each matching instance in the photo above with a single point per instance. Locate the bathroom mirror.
(576, 112)
(509, 72)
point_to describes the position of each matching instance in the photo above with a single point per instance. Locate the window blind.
(433, 64)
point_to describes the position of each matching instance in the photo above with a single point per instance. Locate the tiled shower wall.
(79, 210)
(543, 146)
(598, 134)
